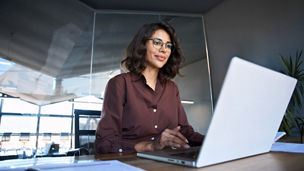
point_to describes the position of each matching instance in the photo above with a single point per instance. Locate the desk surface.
(275, 161)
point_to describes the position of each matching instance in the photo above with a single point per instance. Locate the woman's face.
(158, 49)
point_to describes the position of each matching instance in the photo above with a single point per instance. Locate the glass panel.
(87, 142)
(54, 130)
(63, 141)
(88, 123)
(88, 106)
(17, 124)
(45, 140)
(113, 32)
(88, 103)
(5, 65)
(47, 56)
(14, 145)
(9, 106)
(62, 108)
(55, 124)
(111, 41)
(49, 42)
(194, 86)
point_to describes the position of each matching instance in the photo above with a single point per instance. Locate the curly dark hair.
(135, 56)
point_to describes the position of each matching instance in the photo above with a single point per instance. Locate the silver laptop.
(248, 113)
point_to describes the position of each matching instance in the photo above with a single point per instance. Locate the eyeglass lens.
(157, 43)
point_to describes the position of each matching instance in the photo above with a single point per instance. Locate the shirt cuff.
(124, 146)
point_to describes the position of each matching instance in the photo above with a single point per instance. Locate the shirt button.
(120, 150)
(152, 138)
(155, 126)
(154, 110)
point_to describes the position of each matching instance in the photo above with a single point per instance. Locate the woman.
(142, 110)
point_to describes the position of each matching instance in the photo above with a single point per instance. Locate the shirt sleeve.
(109, 130)
(193, 137)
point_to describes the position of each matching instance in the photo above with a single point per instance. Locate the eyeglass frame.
(162, 43)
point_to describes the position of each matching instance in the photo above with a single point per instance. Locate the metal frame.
(78, 132)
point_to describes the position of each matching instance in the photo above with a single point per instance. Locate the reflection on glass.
(88, 123)
(87, 142)
(79, 85)
(5, 65)
(52, 45)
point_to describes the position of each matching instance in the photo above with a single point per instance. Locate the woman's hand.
(169, 137)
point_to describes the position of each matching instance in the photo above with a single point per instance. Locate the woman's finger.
(171, 138)
(178, 134)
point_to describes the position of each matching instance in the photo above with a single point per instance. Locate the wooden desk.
(273, 161)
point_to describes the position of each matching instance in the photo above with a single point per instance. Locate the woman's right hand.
(169, 137)
(172, 138)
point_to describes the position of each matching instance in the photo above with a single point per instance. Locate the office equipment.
(248, 113)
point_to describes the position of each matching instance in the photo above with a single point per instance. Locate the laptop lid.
(248, 113)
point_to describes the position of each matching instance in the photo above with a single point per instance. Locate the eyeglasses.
(158, 43)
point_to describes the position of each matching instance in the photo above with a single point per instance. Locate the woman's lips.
(161, 58)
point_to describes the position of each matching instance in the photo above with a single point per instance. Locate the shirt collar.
(137, 77)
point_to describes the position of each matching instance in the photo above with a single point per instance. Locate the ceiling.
(171, 6)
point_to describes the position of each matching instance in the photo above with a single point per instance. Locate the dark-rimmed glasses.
(158, 44)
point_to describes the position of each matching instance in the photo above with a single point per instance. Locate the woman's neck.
(151, 75)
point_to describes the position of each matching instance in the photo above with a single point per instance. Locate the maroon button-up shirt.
(133, 112)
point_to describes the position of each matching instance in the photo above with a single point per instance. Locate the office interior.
(56, 57)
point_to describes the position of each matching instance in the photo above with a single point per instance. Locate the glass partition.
(45, 60)
(51, 48)
(113, 32)
(57, 56)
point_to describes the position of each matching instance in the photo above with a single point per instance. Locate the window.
(55, 124)
(62, 108)
(14, 105)
(17, 124)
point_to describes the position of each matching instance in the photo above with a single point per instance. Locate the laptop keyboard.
(187, 154)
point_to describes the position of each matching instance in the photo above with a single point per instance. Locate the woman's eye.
(158, 43)
(169, 46)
